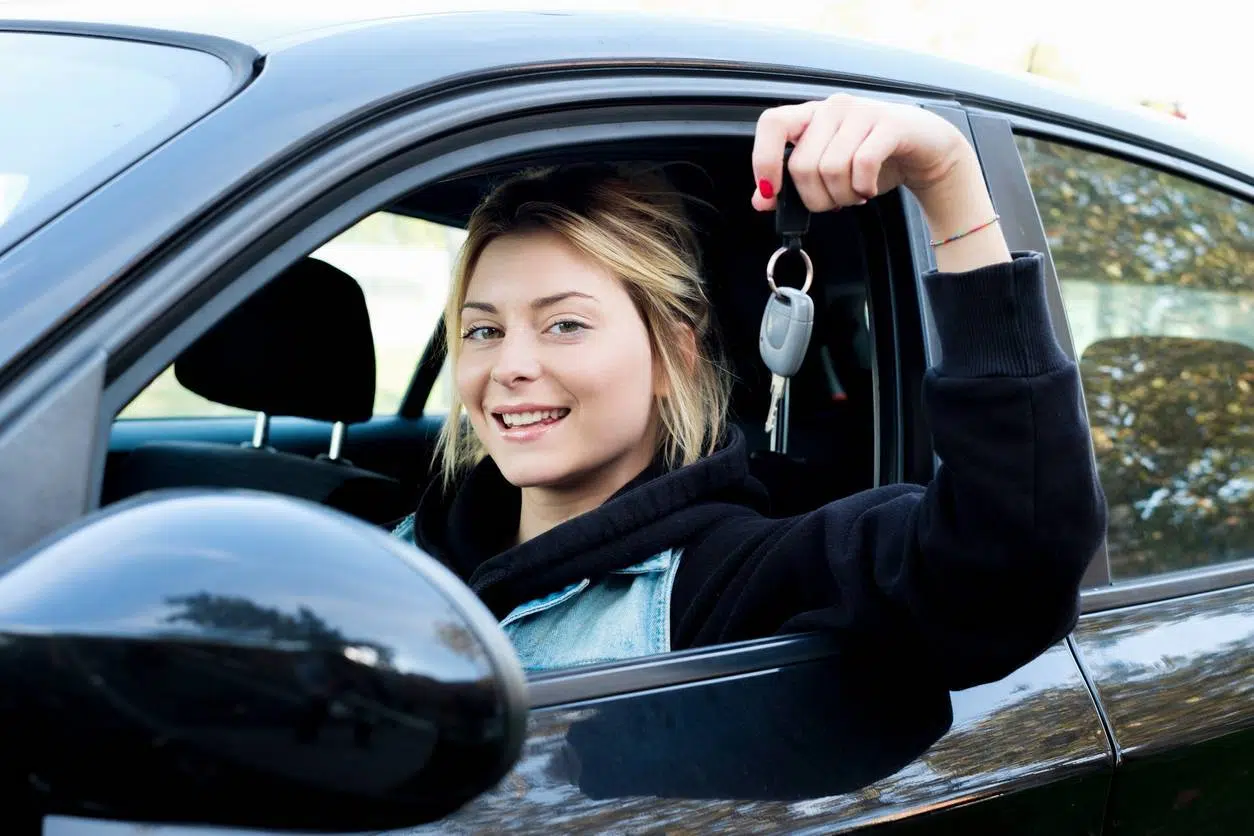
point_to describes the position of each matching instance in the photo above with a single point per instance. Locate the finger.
(868, 159)
(776, 127)
(836, 165)
(803, 165)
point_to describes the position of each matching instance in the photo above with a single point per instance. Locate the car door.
(1155, 258)
(767, 735)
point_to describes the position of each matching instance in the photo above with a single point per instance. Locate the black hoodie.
(969, 577)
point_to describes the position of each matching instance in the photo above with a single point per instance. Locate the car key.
(782, 341)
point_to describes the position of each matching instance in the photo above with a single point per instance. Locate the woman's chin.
(533, 472)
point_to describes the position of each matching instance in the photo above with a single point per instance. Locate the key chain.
(789, 316)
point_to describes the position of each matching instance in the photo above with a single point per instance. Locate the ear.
(685, 339)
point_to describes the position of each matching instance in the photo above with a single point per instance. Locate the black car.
(206, 426)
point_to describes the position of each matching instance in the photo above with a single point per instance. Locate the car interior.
(302, 347)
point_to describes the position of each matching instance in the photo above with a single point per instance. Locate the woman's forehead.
(522, 267)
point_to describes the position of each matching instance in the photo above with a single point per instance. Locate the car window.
(440, 398)
(76, 110)
(1157, 276)
(403, 265)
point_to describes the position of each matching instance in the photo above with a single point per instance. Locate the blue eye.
(480, 332)
(567, 326)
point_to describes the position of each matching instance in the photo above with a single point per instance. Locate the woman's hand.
(849, 150)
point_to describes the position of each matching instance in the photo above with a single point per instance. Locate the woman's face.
(556, 369)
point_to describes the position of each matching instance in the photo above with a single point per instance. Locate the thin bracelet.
(973, 229)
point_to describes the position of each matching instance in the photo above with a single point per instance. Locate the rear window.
(76, 110)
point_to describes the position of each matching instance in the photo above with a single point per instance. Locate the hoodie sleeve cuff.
(994, 321)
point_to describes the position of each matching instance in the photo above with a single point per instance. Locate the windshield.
(75, 110)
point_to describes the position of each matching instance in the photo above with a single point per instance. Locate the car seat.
(300, 346)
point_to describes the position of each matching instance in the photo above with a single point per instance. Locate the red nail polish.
(766, 189)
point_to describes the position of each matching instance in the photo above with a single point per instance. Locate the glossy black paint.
(1176, 679)
(806, 748)
(252, 661)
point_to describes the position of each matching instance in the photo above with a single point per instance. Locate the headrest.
(301, 346)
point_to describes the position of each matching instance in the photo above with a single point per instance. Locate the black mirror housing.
(248, 660)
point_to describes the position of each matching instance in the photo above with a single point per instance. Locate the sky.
(1195, 53)
(1110, 48)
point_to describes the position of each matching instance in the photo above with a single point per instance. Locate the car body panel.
(799, 749)
(1176, 680)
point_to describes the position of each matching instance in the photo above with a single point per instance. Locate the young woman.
(602, 507)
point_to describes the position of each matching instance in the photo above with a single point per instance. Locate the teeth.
(522, 419)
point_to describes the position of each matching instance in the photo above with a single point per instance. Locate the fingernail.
(766, 189)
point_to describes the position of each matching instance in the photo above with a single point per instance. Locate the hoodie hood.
(471, 528)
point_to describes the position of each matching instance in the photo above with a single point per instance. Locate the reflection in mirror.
(220, 614)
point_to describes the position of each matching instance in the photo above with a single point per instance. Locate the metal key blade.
(777, 393)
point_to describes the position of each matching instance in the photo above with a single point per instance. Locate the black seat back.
(301, 346)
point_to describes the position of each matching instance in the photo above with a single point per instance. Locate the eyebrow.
(536, 304)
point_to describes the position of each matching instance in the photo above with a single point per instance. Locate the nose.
(516, 360)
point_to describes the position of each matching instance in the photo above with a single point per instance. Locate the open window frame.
(183, 292)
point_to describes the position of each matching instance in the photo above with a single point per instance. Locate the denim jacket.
(624, 615)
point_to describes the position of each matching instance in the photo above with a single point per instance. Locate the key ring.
(770, 269)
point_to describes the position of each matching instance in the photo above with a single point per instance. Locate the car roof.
(531, 38)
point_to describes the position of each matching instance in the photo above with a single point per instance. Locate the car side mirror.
(248, 660)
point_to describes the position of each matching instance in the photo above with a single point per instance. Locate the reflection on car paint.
(1175, 670)
(724, 758)
(1176, 679)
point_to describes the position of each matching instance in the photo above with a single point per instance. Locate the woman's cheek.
(469, 380)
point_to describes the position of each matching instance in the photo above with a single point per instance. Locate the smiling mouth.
(534, 418)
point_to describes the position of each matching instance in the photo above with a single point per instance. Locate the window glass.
(440, 398)
(403, 266)
(76, 110)
(1157, 275)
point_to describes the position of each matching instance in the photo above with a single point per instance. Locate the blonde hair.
(630, 221)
